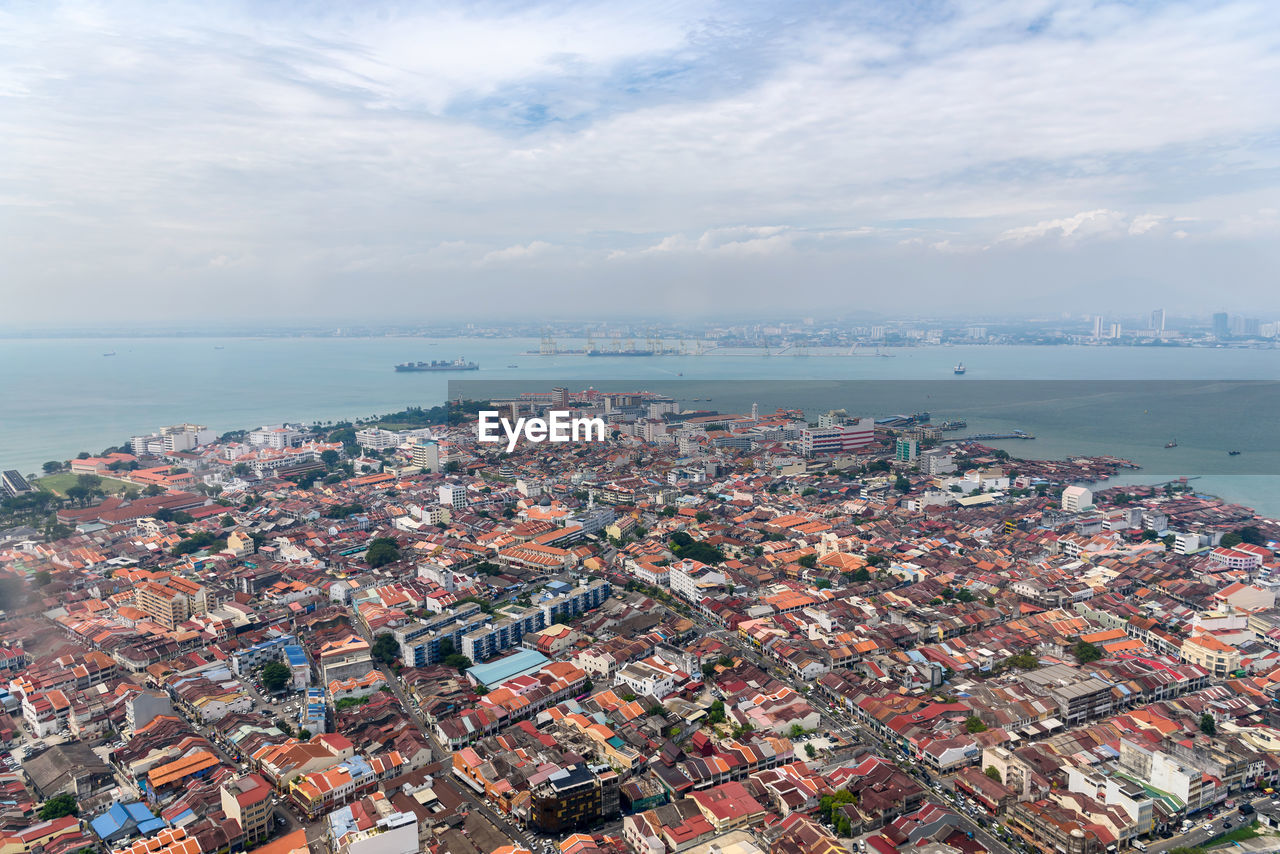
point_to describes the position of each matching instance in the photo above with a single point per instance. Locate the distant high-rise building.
(1221, 328)
(1116, 329)
(1157, 320)
(906, 450)
(453, 495)
(1076, 498)
(426, 456)
(1097, 326)
(560, 397)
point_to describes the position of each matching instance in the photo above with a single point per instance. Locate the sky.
(398, 162)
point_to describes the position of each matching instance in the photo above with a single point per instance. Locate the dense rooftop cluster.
(706, 633)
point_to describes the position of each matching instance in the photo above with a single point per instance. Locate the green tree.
(458, 662)
(1252, 536)
(829, 806)
(330, 458)
(1207, 725)
(1229, 540)
(808, 561)
(973, 724)
(686, 546)
(862, 575)
(275, 676)
(1086, 652)
(382, 551)
(702, 517)
(385, 648)
(42, 578)
(902, 484)
(809, 751)
(59, 806)
(797, 731)
(52, 466)
(994, 773)
(154, 489)
(1169, 540)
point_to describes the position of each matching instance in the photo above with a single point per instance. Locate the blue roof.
(152, 825)
(295, 655)
(110, 822)
(138, 812)
(519, 662)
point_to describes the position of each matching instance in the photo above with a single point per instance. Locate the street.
(1198, 835)
(439, 751)
(852, 730)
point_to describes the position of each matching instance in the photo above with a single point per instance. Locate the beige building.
(248, 801)
(1213, 655)
(171, 602)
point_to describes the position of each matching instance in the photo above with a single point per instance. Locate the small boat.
(1172, 443)
(218, 347)
(1233, 453)
(513, 366)
(112, 353)
(959, 368)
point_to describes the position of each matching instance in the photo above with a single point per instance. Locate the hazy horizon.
(384, 163)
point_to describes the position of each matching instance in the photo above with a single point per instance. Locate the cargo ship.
(621, 353)
(455, 365)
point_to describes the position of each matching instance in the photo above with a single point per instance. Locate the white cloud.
(143, 140)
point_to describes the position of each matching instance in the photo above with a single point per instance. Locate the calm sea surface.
(62, 396)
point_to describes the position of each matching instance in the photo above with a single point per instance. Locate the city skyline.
(562, 160)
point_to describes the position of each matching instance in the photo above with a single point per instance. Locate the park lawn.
(59, 483)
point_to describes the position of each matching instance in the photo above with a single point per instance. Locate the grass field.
(1249, 831)
(58, 484)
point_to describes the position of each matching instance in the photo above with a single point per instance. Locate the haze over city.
(375, 161)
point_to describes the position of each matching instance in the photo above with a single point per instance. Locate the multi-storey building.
(171, 602)
(247, 799)
(426, 456)
(377, 439)
(837, 439)
(569, 798)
